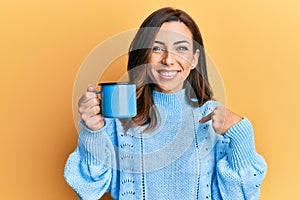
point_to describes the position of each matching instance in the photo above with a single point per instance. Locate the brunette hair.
(198, 89)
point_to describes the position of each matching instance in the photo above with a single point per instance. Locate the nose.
(169, 58)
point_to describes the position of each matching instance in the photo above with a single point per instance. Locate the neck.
(167, 90)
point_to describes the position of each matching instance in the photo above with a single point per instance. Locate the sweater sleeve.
(241, 172)
(91, 169)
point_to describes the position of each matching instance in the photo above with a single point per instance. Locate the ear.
(195, 59)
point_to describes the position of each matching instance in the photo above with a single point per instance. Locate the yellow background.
(255, 45)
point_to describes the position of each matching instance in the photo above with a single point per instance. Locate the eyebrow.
(175, 43)
(182, 41)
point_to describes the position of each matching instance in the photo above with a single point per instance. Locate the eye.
(182, 48)
(157, 48)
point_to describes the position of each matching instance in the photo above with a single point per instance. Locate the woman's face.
(172, 58)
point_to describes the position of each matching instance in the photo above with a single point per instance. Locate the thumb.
(90, 88)
(206, 118)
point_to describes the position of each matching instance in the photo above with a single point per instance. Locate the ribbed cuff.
(242, 151)
(91, 144)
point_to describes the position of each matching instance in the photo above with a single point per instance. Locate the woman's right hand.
(89, 109)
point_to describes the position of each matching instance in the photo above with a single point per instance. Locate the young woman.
(182, 144)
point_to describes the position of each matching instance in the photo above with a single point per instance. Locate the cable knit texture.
(180, 159)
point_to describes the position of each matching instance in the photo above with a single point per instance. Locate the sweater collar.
(171, 102)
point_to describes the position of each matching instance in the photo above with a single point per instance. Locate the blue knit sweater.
(180, 159)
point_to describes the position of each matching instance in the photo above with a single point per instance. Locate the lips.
(168, 74)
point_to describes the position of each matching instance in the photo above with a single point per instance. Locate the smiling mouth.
(168, 74)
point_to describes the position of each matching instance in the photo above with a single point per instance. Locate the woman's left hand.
(222, 119)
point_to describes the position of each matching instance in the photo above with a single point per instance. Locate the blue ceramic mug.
(118, 99)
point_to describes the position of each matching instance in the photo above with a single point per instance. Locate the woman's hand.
(222, 119)
(89, 109)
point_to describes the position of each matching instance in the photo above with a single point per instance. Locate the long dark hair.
(196, 85)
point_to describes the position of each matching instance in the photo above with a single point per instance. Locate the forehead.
(174, 31)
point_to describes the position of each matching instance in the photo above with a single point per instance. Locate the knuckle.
(84, 96)
(80, 109)
(90, 95)
(81, 98)
(101, 118)
(96, 109)
(94, 102)
(80, 102)
(84, 117)
(98, 118)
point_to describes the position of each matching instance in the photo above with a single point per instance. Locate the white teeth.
(168, 73)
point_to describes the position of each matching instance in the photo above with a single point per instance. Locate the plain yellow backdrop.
(255, 45)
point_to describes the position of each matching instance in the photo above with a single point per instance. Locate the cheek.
(155, 58)
(186, 64)
(185, 59)
(151, 73)
(186, 67)
(186, 73)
